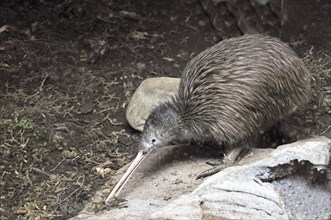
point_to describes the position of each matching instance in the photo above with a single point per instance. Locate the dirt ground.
(67, 71)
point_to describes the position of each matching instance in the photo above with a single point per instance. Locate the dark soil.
(67, 71)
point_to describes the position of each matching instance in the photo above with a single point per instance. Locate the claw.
(217, 167)
(215, 163)
(227, 160)
(211, 171)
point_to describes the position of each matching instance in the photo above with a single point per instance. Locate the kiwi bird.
(227, 95)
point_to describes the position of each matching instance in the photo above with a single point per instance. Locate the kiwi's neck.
(176, 119)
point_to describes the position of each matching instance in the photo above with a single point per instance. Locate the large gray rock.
(250, 190)
(238, 193)
(149, 94)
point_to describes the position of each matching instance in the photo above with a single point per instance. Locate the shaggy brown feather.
(229, 93)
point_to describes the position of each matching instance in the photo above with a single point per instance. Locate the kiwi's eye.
(153, 140)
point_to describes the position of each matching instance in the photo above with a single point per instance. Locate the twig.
(57, 165)
(328, 128)
(43, 82)
(41, 171)
(80, 186)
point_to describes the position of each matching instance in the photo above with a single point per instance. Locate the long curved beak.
(134, 165)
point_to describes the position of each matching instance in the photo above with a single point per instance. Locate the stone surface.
(304, 200)
(165, 186)
(149, 94)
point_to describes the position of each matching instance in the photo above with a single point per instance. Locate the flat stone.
(150, 93)
(164, 187)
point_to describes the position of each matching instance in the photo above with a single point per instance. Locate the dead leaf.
(3, 28)
(103, 171)
(138, 35)
(129, 14)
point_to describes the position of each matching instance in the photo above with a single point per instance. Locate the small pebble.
(141, 66)
(202, 23)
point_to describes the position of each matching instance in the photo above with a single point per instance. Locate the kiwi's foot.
(211, 171)
(228, 160)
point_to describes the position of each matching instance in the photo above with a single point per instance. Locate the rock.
(86, 106)
(202, 23)
(141, 66)
(149, 94)
(170, 191)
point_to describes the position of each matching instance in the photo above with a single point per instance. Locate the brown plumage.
(229, 93)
